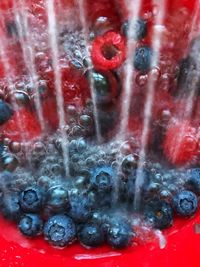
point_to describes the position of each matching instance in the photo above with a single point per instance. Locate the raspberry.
(181, 143)
(22, 125)
(108, 51)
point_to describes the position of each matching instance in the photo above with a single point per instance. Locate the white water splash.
(85, 30)
(53, 38)
(156, 46)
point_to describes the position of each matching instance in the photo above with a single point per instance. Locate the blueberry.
(143, 58)
(5, 112)
(185, 203)
(101, 219)
(139, 30)
(10, 207)
(60, 230)
(30, 225)
(129, 164)
(186, 67)
(91, 235)
(57, 198)
(9, 162)
(11, 28)
(120, 234)
(2, 149)
(102, 179)
(31, 199)
(193, 181)
(80, 207)
(159, 213)
(102, 88)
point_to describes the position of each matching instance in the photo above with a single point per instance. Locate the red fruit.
(74, 85)
(50, 113)
(23, 126)
(181, 143)
(108, 51)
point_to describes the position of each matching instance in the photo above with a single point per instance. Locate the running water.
(29, 55)
(81, 7)
(134, 8)
(156, 46)
(53, 40)
(11, 87)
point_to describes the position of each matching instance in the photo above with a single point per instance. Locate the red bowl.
(182, 248)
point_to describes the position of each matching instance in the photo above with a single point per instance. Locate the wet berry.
(108, 51)
(143, 58)
(193, 181)
(31, 199)
(91, 235)
(10, 207)
(57, 199)
(185, 203)
(159, 213)
(102, 179)
(139, 30)
(5, 112)
(120, 234)
(60, 230)
(80, 208)
(30, 225)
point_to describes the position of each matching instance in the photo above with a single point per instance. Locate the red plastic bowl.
(182, 248)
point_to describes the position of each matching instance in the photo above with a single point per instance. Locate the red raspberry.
(108, 51)
(28, 129)
(181, 143)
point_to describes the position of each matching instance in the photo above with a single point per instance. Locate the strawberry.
(180, 143)
(22, 126)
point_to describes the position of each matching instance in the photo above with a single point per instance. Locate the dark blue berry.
(143, 58)
(2, 149)
(186, 67)
(101, 219)
(159, 213)
(57, 199)
(102, 88)
(80, 207)
(102, 179)
(31, 199)
(31, 225)
(60, 230)
(193, 181)
(91, 235)
(139, 30)
(185, 203)
(5, 112)
(10, 207)
(120, 233)
(129, 164)
(12, 29)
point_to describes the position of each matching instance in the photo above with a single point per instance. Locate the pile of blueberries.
(94, 204)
